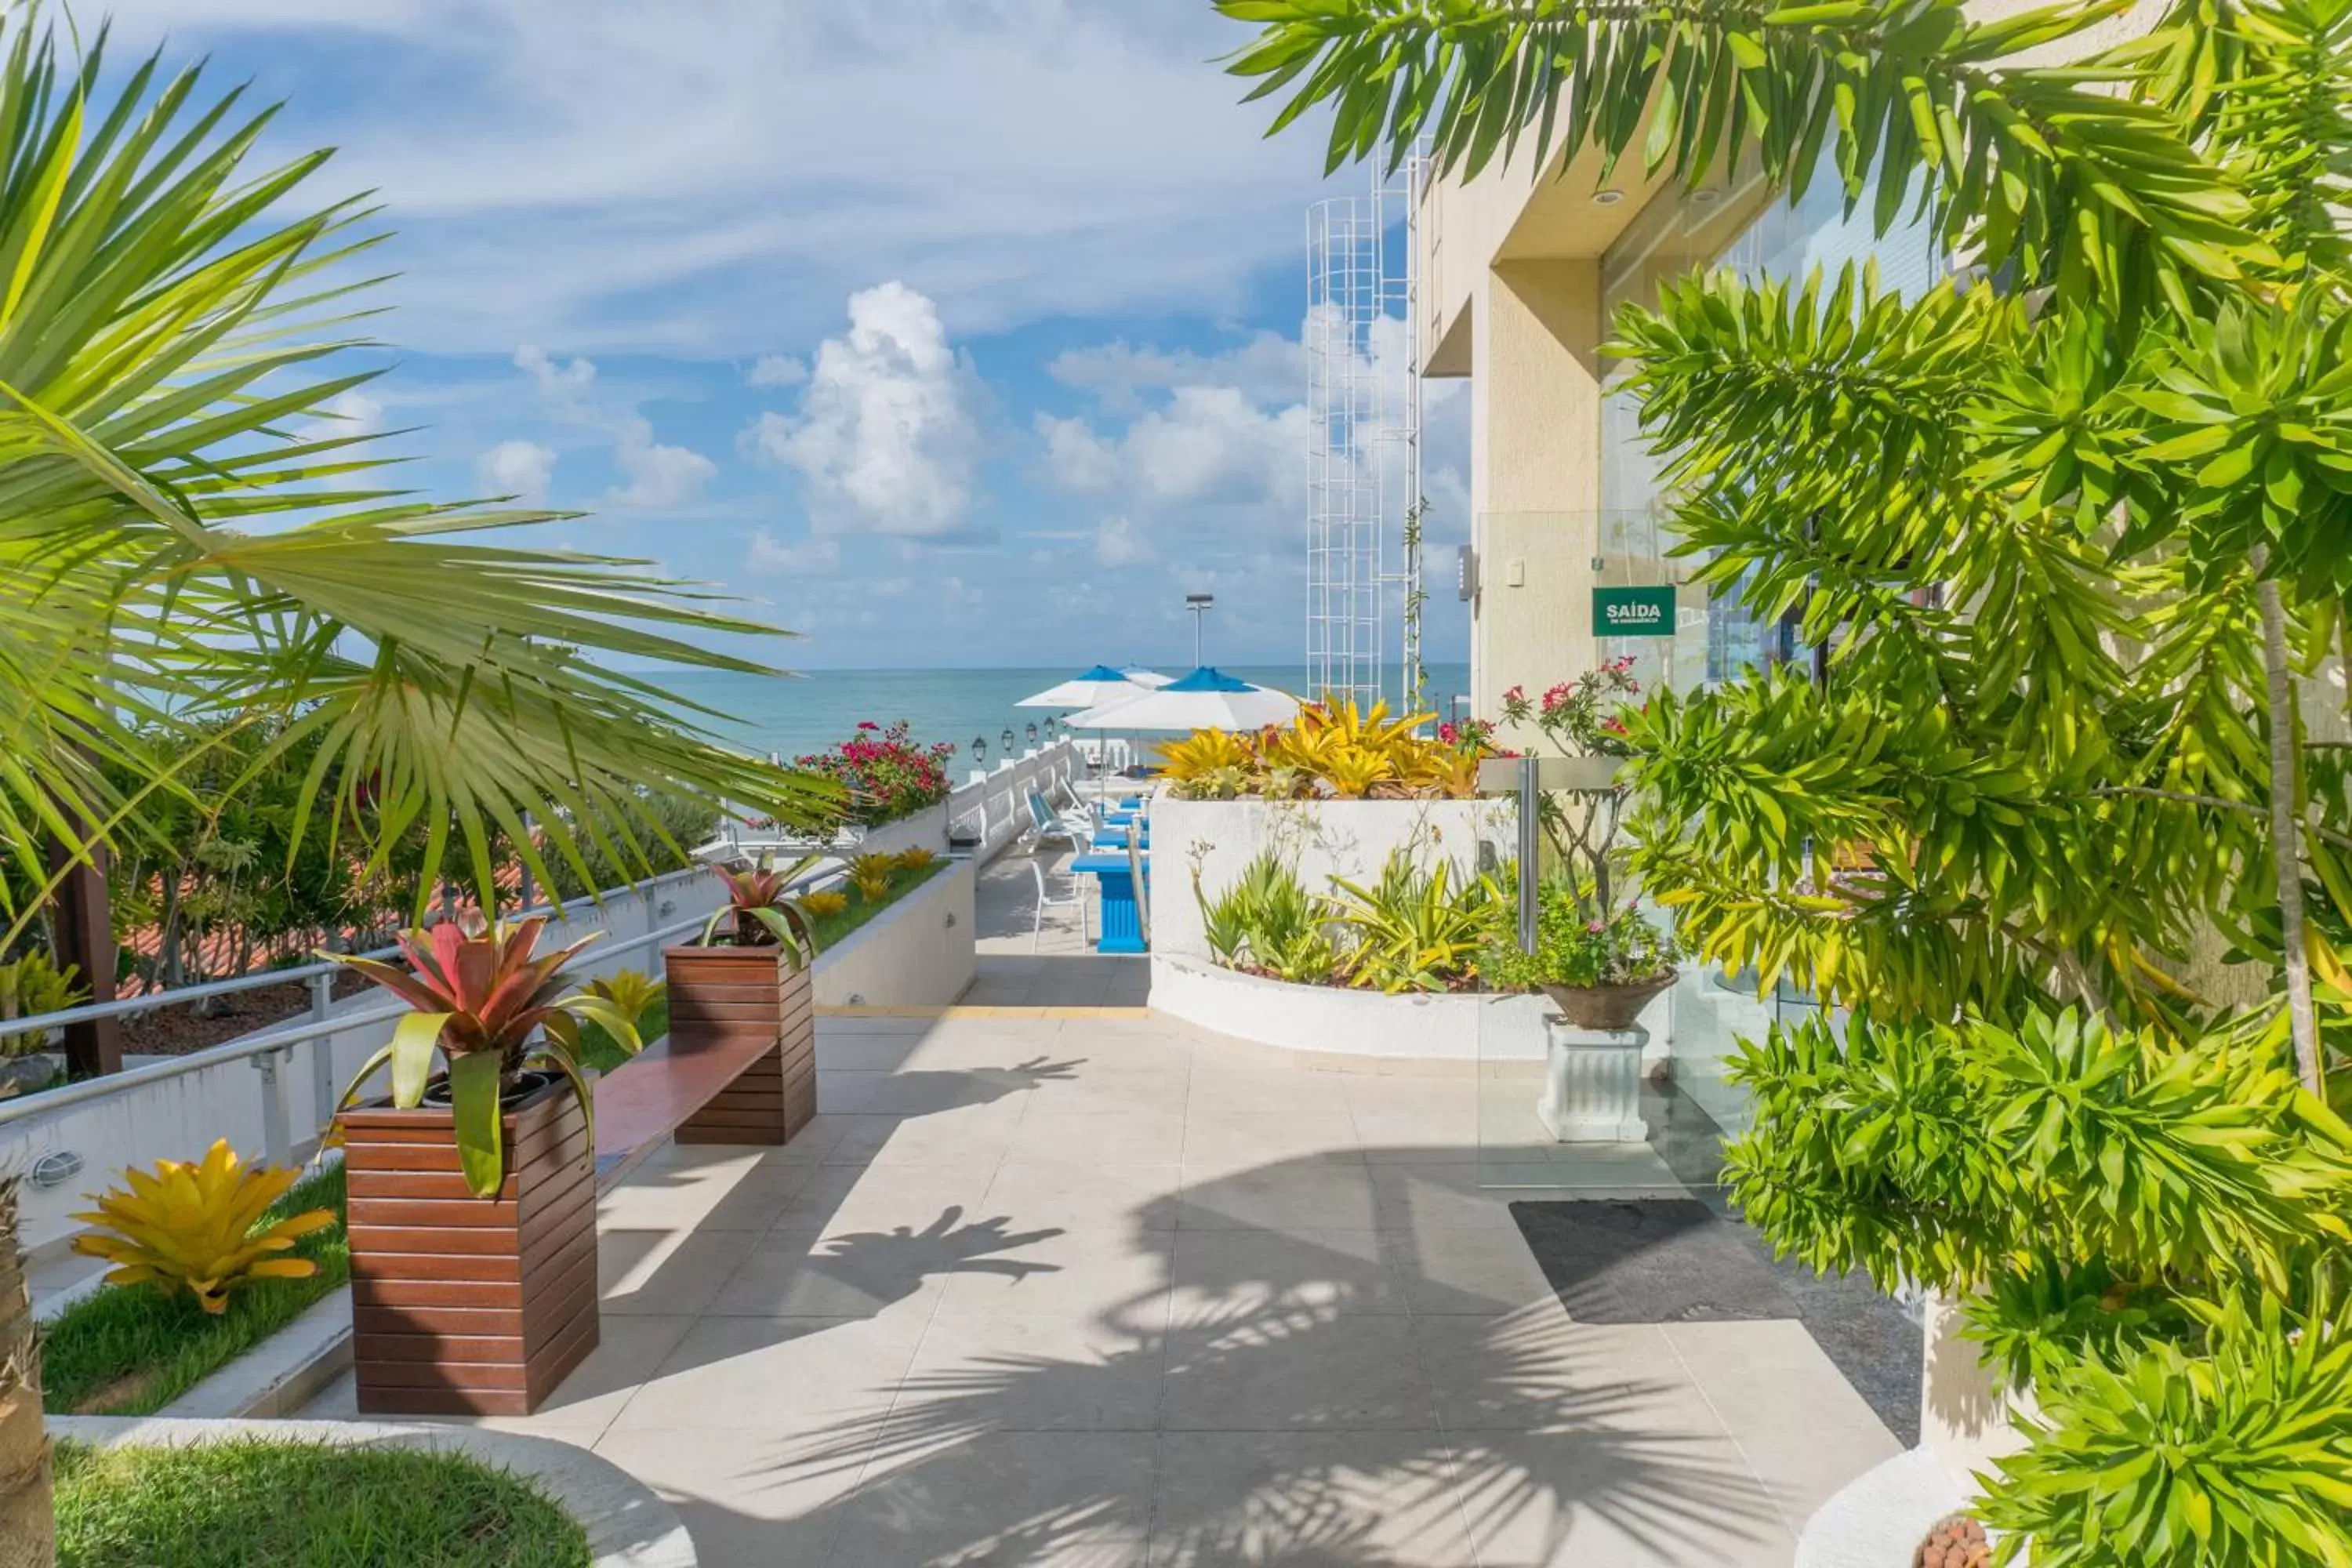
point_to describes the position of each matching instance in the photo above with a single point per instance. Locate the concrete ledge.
(916, 953)
(280, 1374)
(1882, 1515)
(627, 1525)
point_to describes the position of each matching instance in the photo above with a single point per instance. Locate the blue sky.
(949, 331)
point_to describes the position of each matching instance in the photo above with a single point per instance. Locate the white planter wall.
(996, 801)
(1320, 838)
(179, 1118)
(1334, 1021)
(916, 953)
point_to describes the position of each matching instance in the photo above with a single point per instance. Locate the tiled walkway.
(1092, 1290)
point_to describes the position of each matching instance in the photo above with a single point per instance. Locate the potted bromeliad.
(473, 1188)
(743, 987)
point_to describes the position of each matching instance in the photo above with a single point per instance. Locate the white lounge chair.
(1046, 900)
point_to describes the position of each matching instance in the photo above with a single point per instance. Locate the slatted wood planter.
(722, 995)
(463, 1305)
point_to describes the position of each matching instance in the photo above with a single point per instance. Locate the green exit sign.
(1634, 612)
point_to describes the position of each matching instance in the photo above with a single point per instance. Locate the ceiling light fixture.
(1607, 198)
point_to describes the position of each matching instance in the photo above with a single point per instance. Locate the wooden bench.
(738, 1065)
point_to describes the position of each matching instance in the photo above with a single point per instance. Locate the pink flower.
(868, 724)
(1515, 694)
(1446, 734)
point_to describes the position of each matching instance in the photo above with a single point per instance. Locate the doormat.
(1650, 1261)
(1677, 1261)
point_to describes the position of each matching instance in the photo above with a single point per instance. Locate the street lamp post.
(1198, 604)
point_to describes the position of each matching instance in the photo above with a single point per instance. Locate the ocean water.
(808, 712)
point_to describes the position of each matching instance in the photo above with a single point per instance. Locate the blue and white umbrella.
(1208, 699)
(1096, 687)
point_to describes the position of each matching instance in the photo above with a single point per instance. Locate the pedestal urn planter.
(725, 996)
(466, 1305)
(1593, 1083)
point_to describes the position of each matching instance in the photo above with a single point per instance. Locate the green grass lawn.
(130, 1351)
(254, 1504)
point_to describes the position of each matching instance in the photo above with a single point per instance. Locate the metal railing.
(268, 1048)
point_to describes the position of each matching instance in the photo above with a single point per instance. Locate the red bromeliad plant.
(480, 994)
(887, 774)
(760, 901)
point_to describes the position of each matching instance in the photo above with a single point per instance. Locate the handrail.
(265, 1043)
(148, 1002)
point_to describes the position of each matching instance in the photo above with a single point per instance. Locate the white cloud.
(521, 468)
(660, 478)
(776, 370)
(1078, 458)
(606, 173)
(808, 558)
(1267, 368)
(1210, 446)
(554, 379)
(883, 435)
(1117, 543)
(349, 413)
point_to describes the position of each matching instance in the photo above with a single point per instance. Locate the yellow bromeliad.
(1202, 752)
(191, 1226)
(871, 874)
(632, 992)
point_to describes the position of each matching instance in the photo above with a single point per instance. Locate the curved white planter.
(1334, 1021)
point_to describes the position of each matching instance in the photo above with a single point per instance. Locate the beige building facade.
(1521, 270)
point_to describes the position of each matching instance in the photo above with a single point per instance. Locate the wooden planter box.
(463, 1305)
(722, 995)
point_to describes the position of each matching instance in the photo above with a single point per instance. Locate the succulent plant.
(765, 912)
(871, 875)
(191, 1226)
(481, 996)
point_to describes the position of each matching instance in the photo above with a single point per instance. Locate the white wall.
(179, 1118)
(1320, 838)
(1328, 1020)
(917, 954)
(995, 799)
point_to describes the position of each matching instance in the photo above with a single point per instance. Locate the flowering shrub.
(887, 774)
(1576, 946)
(1579, 716)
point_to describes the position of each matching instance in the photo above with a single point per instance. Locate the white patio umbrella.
(1100, 685)
(1207, 699)
(1143, 676)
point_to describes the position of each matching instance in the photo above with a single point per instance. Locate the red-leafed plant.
(761, 904)
(493, 1008)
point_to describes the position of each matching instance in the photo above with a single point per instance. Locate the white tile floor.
(1101, 1290)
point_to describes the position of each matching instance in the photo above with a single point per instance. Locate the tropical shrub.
(482, 996)
(886, 773)
(824, 903)
(915, 858)
(2066, 528)
(1268, 923)
(1332, 749)
(764, 911)
(195, 1226)
(1579, 943)
(1413, 929)
(32, 983)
